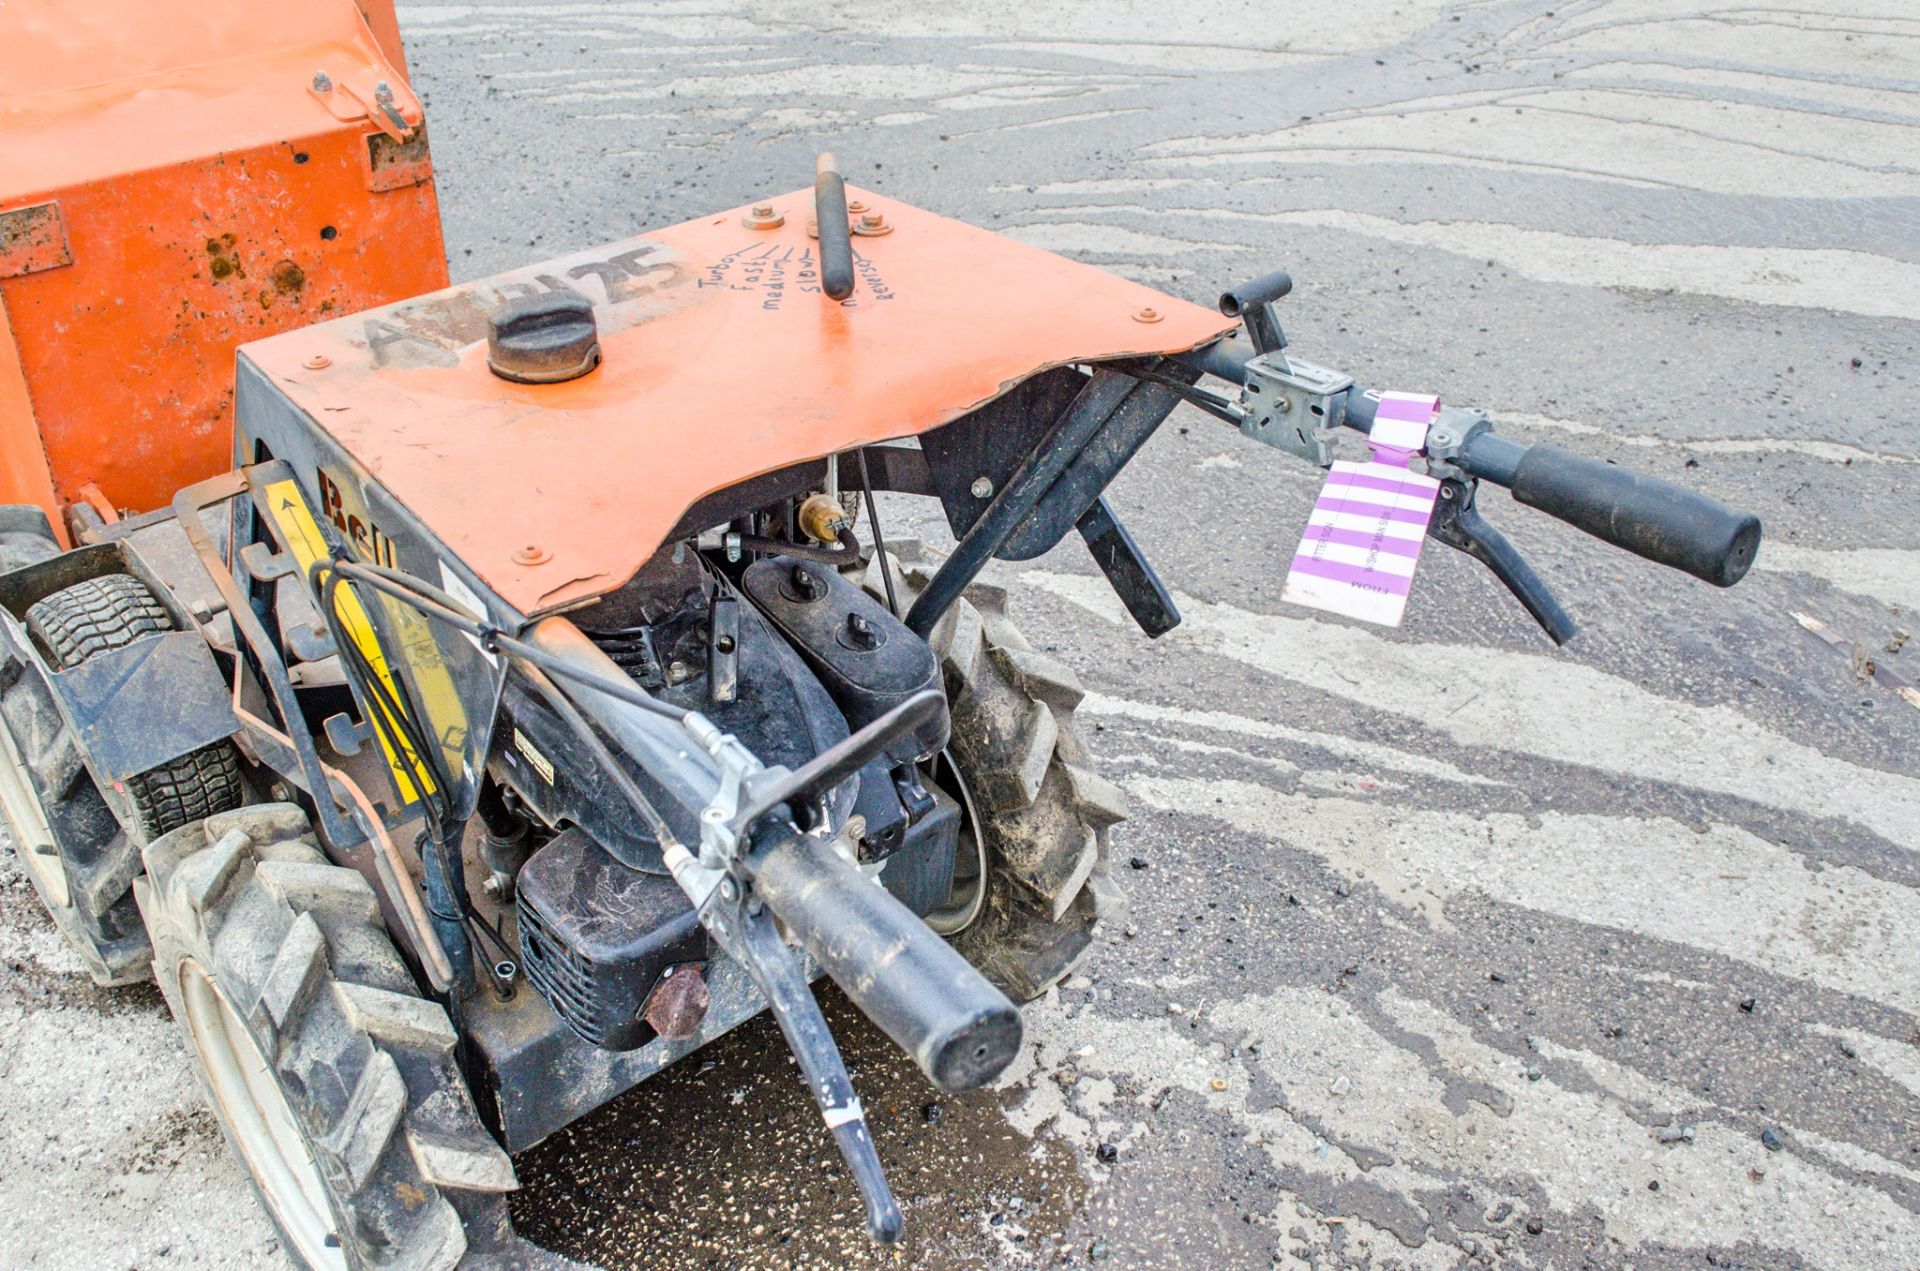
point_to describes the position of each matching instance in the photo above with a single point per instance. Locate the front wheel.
(334, 1080)
(1037, 816)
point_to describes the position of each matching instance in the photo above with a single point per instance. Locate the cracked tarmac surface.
(1447, 949)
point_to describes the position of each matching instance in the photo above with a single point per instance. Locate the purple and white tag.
(1363, 537)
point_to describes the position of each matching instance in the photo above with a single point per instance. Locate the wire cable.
(535, 664)
(879, 539)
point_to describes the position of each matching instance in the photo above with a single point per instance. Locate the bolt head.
(531, 554)
(322, 82)
(856, 207)
(982, 488)
(763, 216)
(1147, 313)
(861, 634)
(873, 220)
(318, 362)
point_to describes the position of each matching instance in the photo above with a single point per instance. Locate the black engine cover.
(596, 935)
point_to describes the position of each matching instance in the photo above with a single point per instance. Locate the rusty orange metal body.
(175, 180)
(722, 360)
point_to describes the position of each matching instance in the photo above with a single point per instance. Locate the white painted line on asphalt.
(1726, 891)
(1522, 702)
(1887, 574)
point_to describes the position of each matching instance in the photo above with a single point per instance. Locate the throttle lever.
(746, 931)
(1458, 523)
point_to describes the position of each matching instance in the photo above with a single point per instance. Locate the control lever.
(830, 220)
(754, 866)
(1458, 523)
(745, 929)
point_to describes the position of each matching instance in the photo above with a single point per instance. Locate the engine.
(789, 656)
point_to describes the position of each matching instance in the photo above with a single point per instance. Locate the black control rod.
(836, 234)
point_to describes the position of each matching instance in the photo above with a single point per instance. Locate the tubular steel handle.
(959, 1028)
(1647, 516)
(1260, 291)
(836, 235)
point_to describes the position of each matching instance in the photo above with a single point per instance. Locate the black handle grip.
(836, 234)
(1647, 516)
(960, 1029)
(1251, 295)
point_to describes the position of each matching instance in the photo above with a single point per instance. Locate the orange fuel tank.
(176, 179)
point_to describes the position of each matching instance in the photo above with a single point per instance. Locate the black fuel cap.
(543, 339)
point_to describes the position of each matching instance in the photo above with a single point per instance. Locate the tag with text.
(1364, 534)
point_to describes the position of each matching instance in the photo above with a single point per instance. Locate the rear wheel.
(1031, 877)
(334, 1080)
(80, 847)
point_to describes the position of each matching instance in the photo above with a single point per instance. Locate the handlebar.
(1647, 516)
(931, 1001)
(1663, 522)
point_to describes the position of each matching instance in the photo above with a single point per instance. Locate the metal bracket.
(266, 565)
(1449, 437)
(723, 647)
(1293, 405)
(347, 735)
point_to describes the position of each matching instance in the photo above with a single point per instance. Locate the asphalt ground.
(1433, 930)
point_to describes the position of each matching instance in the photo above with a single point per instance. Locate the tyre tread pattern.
(367, 1064)
(90, 617)
(1045, 814)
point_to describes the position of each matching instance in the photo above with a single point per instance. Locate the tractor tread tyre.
(1043, 813)
(294, 947)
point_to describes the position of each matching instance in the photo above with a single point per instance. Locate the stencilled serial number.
(431, 331)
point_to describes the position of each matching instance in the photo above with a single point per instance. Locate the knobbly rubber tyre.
(108, 612)
(269, 954)
(111, 612)
(81, 849)
(1042, 813)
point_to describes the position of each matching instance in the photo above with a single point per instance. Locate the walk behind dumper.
(466, 701)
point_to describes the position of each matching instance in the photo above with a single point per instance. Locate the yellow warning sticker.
(302, 534)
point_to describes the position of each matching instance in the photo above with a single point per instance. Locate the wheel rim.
(261, 1122)
(969, 893)
(27, 819)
